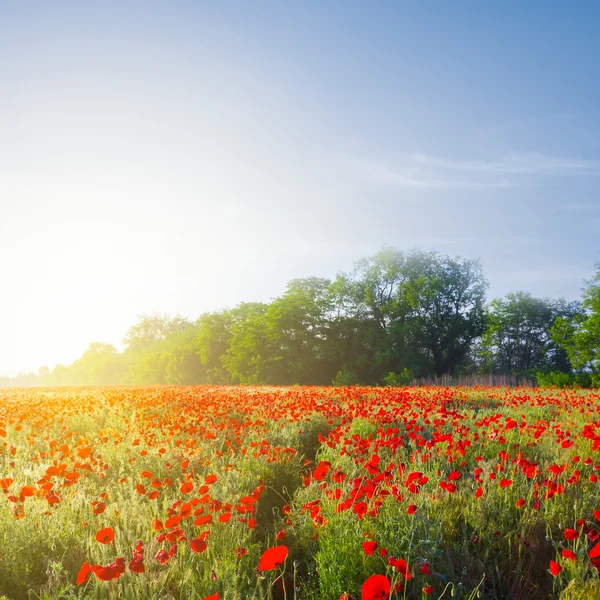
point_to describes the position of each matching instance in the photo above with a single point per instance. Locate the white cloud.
(426, 172)
(516, 164)
(577, 206)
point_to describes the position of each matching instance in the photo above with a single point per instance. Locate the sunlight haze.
(186, 157)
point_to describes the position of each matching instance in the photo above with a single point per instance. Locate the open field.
(300, 492)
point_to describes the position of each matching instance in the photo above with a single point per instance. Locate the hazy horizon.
(117, 342)
(186, 158)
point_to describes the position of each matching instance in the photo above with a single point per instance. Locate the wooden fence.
(493, 379)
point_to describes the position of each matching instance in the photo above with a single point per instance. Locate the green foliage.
(298, 328)
(212, 342)
(580, 337)
(398, 379)
(151, 329)
(396, 317)
(577, 590)
(412, 310)
(100, 364)
(248, 358)
(345, 377)
(563, 380)
(518, 336)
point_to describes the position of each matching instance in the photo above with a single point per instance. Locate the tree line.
(395, 317)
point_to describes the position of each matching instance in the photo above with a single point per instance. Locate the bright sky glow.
(182, 157)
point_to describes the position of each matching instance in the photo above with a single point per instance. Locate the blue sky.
(182, 157)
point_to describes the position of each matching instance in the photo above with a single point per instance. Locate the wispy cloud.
(409, 175)
(577, 206)
(516, 164)
(424, 171)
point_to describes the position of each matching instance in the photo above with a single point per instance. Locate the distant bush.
(399, 379)
(565, 380)
(345, 377)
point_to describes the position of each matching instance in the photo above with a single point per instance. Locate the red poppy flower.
(412, 509)
(376, 587)
(571, 534)
(401, 566)
(106, 535)
(186, 488)
(449, 487)
(595, 551)
(99, 508)
(203, 520)
(83, 573)
(137, 566)
(555, 568)
(568, 554)
(156, 525)
(172, 521)
(106, 573)
(198, 545)
(112, 571)
(369, 547)
(272, 558)
(321, 471)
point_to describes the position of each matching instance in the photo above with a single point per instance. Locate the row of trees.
(395, 317)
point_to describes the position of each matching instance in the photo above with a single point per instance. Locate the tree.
(374, 312)
(148, 368)
(182, 362)
(212, 342)
(517, 339)
(248, 358)
(150, 346)
(151, 329)
(396, 316)
(297, 329)
(60, 375)
(579, 336)
(100, 364)
(448, 299)
(414, 311)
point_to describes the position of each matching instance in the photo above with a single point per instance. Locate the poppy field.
(299, 493)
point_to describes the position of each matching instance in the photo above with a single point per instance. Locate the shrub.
(399, 379)
(565, 380)
(345, 377)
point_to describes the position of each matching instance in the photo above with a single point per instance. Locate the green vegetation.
(397, 317)
(457, 491)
